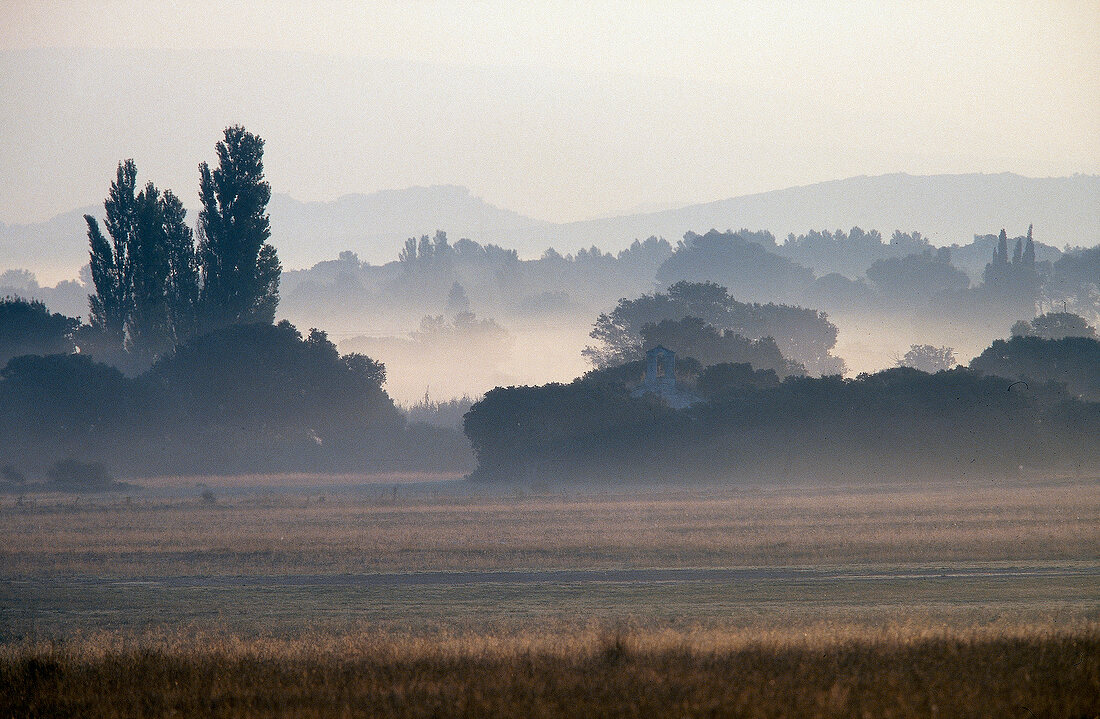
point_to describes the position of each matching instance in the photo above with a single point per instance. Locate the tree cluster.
(849, 254)
(1054, 326)
(155, 287)
(496, 282)
(730, 259)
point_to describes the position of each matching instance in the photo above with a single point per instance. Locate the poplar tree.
(182, 286)
(148, 329)
(240, 270)
(146, 274)
(111, 266)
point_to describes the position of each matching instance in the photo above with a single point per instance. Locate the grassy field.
(1028, 672)
(273, 532)
(259, 603)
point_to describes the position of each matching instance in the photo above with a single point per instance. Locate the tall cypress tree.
(1029, 250)
(1001, 257)
(240, 270)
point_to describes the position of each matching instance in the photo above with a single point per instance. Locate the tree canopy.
(928, 358)
(899, 423)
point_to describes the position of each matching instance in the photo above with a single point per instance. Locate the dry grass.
(283, 533)
(1034, 670)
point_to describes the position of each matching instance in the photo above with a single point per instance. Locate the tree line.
(1025, 404)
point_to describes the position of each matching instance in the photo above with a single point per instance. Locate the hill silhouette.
(948, 209)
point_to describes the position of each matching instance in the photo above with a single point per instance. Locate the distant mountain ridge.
(949, 209)
(376, 225)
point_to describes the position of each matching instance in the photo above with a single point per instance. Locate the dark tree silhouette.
(896, 423)
(182, 286)
(1073, 361)
(110, 262)
(149, 333)
(720, 379)
(240, 270)
(145, 277)
(29, 328)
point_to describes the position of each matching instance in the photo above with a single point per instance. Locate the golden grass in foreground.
(906, 671)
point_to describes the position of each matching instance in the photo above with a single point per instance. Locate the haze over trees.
(737, 262)
(182, 341)
(803, 336)
(902, 286)
(202, 380)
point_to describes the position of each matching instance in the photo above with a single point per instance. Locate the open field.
(442, 526)
(952, 599)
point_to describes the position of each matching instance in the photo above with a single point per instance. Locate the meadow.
(323, 596)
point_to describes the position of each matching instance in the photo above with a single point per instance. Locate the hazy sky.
(560, 111)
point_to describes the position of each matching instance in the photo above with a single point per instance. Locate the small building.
(660, 369)
(660, 379)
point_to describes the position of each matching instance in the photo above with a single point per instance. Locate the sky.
(560, 111)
